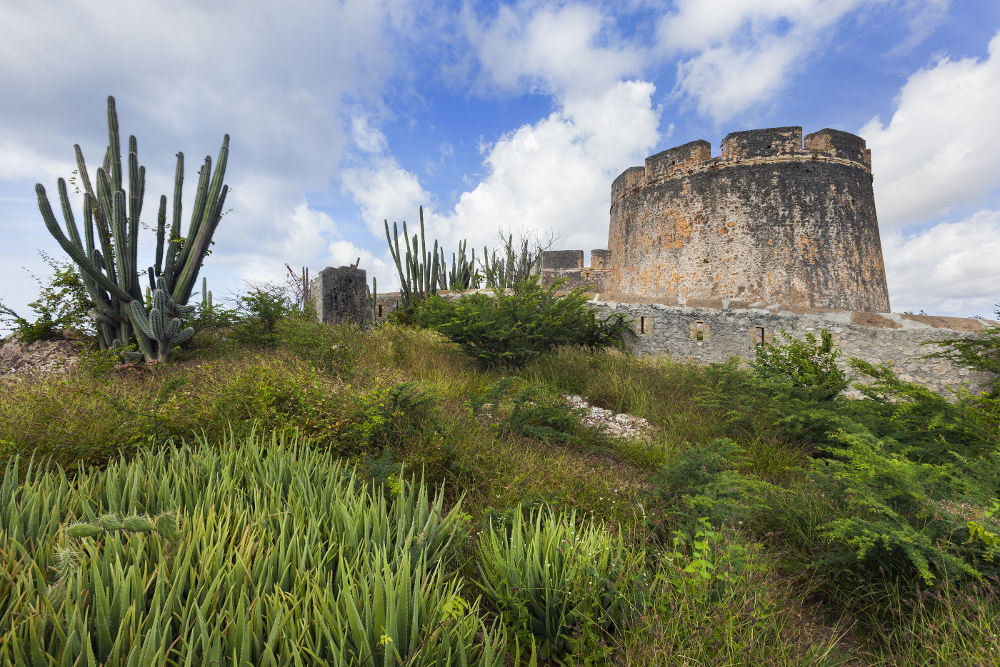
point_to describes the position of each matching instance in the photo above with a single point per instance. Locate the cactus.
(427, 271)
(206, 296)
(112, 523)
(109, 264)
(161, 325)
(373, 299)
(506, 267)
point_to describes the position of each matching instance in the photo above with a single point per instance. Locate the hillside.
(317, 495)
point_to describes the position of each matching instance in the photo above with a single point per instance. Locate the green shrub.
(503, 329)
(259, 311)
(63, 305)
(533, 411)
(565, 588)
(808, 365)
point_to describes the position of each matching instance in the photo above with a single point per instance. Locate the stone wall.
(710, 335)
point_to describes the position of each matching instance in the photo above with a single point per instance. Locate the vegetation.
(108, 263)
(390, 496)
(62, 307)
(502, 329)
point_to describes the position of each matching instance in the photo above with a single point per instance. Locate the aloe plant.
(282, 556)
(108, 261)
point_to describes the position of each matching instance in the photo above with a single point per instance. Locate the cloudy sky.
(498, 115)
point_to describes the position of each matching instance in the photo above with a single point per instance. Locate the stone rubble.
(618, 425)
(18, 358)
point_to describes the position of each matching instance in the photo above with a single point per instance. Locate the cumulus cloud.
(553, 175)
(558, 50)
(948, 269)
(934, 152)
(735, 53)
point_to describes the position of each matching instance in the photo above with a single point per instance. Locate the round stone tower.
(766, 224)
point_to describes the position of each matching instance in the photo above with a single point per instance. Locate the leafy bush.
(259, 312)
(564, 587)
(503, 329)
(63, 305)
(808, 365)
(276, 554)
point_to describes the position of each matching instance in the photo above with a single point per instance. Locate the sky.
(511, 116)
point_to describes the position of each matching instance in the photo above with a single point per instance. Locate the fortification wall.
(567, 265)
(709, 335)
(772, 222)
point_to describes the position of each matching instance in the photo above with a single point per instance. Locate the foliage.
(808, 365)
(259, 311)
(282, 556)
(63, 305)
(564, 587)
(511, 330)
(981, 353)
(109, 266)
(534, 411)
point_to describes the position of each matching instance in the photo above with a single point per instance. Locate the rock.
(618, 425)
(44, 356)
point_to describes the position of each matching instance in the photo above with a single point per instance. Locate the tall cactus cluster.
(506, 267)
(421, 272)
(108, 260)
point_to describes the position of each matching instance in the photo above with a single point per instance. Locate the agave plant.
(108, 261)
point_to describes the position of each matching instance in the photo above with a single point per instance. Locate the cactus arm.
(161, 229)
(74, 251)
(196, 212)
(175, 226)
(199, 249)
(114, 145)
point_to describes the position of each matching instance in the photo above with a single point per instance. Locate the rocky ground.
(44, 356)
(619, 425)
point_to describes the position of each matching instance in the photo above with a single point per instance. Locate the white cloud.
(949, 269)
(561, 50)
(385, 191)
(937, 151)
(743, 51)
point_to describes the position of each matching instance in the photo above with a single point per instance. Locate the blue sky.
(499, 115)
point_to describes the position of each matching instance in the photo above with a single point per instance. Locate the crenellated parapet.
(778, 144)
(775, 220)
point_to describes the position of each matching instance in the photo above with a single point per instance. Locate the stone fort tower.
(770, 223)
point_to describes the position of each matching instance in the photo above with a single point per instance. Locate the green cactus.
(109, 262)
(161, 325)
(426, 271)
(112, 523)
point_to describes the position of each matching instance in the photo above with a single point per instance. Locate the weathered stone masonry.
(708, 335)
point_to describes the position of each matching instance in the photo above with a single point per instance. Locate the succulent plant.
(108, 260)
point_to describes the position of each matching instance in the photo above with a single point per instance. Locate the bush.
(534, 411)
(258, 313)
(62, 306)
(503, 329)
(809, 365)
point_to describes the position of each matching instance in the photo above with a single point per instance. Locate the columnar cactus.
(108, 265)
(161, 325)
(427, 271)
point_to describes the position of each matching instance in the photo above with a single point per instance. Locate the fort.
(711, 257)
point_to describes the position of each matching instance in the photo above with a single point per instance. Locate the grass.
(394, 396)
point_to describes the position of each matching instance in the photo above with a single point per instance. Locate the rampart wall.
(706, 335)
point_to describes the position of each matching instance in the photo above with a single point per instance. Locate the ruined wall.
(710, 335)
(567, 265)
(769, 223)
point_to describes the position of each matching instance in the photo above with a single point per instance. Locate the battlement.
(567, 265)
(740, 148)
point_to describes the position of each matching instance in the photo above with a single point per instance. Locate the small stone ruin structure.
(341, 295)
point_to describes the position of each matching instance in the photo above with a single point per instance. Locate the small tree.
(501, 329)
